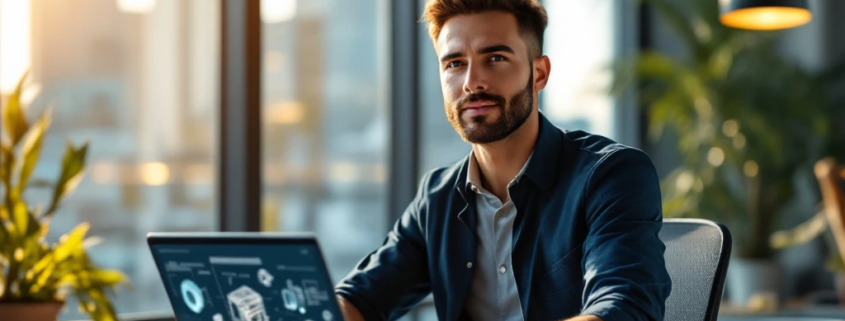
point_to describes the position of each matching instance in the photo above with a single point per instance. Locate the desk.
(764, 318)
(816, 313)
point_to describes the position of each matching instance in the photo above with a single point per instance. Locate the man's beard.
(513, 113)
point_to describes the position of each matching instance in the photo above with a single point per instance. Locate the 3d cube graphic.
(246, 305)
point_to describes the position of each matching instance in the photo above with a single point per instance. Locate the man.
(535, 223)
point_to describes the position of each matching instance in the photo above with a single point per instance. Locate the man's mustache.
(461, 104)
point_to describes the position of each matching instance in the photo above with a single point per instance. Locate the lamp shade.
(764, 14)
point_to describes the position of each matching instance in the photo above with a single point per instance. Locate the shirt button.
(503, 269)
(469, 265)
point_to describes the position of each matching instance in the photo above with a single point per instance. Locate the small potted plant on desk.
(35, 275)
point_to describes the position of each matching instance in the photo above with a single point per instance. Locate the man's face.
(486, 75)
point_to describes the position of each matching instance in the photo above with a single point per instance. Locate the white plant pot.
(748, 278)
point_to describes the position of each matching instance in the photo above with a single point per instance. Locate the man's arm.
(624, 271)
(391, 280)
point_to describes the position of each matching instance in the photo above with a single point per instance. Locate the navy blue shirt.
(584, 240)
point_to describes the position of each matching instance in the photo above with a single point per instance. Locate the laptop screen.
(246, 282)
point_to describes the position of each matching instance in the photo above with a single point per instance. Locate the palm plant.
(745, 120)
(34, 270)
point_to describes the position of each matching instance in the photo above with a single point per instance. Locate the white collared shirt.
(493, 295)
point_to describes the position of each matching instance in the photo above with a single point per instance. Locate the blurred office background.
(351, 114)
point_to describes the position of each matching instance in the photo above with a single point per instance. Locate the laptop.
(244, 276)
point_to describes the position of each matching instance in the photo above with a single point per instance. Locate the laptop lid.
(244, 276)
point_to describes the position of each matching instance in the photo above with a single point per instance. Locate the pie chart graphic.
(192, 295)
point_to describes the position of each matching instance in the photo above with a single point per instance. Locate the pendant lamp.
(764, 14)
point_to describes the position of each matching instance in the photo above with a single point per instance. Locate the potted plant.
(38, 275)
(746, 122)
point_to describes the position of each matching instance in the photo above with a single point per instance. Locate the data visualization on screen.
(246, 282)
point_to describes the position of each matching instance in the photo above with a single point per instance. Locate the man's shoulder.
(444, 178)
(591, 150)
(589, 144)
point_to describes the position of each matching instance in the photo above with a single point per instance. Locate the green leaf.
(624, 76)
(32, 150)
(666, 110)
(20, 218)
(71, 242)
(4, 214)
(7, 155)
(103, 309)
(32, 242)
(44, 223)
(73, 166)
(43, 263)
(43, 277)
(652, 65)
(5, 236)
(722, 59)
(14, 119)
(8, 235)
(107, 277)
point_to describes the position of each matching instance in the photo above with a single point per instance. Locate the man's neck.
(499, 162)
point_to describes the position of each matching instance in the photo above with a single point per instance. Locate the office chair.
(697, 255)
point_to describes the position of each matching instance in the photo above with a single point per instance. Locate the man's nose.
(475, 80)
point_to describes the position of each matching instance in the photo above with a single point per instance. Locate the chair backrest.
(830, 176)
(697, 254)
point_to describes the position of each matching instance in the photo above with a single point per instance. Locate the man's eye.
(497, 58)
(453, 64)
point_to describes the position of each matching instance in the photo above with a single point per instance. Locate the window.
(325, 117)
(582, 39)
(138, 80)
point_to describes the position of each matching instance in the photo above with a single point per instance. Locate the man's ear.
(542, 68)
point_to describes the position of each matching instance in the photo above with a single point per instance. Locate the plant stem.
(7, 202)
(11, 277)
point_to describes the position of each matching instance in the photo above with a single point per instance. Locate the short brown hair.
(530, 16)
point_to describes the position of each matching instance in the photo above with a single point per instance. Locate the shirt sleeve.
(624, 271)
(388, 282)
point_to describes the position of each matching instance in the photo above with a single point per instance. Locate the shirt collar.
(474, 172)
(547, 153)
